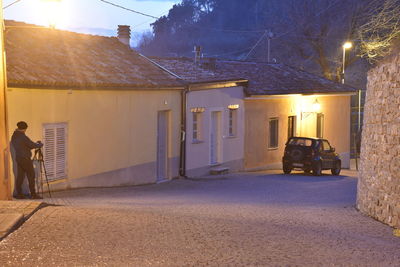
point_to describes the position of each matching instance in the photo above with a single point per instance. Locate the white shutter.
(49, 148)
(55, 144)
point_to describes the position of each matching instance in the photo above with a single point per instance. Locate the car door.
(327, 155)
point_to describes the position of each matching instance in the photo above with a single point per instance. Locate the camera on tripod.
(38, 156)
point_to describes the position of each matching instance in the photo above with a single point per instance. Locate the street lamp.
(346, 45)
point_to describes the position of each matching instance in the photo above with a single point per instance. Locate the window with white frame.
(55, 150)
(273, 133)
(197, 124)
(232, 121)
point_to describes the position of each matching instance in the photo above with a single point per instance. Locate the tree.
(381, 30)
(307, 33)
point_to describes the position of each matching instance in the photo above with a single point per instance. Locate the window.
(320, 125)
(55, 149)
(326, 146)
(300, 142)
(273, 133)
(291, 126)
(232, 122)
(197, 125)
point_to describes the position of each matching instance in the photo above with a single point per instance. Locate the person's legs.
(25, 165)
(30, 173)
(20, 176)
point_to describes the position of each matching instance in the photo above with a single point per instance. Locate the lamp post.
(346, 45)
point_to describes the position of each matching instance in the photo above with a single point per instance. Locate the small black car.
(310, 154)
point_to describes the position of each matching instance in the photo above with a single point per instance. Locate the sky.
(90, 16)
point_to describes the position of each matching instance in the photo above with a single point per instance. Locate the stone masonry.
(379, 177)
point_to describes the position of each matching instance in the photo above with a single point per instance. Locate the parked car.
(310, 155)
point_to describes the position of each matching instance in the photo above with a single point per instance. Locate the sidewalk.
(14, 213)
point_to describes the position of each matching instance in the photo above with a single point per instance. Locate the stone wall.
(379, 177)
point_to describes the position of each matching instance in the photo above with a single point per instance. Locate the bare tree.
(382, 28)
(317, 30)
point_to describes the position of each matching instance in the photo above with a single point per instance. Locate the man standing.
(23, 146)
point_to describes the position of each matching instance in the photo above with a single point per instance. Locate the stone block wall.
(379, 177)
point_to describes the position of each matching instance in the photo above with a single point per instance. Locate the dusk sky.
(91, 16)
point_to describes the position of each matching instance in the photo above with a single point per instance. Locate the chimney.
(197, 54)
(124, 34)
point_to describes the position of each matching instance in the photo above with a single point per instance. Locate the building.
(279, 102)
(107, 116)
(214, 117)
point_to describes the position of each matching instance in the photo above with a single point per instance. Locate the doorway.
(162, 145)
(215, 133)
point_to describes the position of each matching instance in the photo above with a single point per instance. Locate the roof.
(187, 70)
(39, 56)
(264, 78)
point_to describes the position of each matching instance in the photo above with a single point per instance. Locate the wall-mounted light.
(197, 109)
(316, 106)
(233, 106)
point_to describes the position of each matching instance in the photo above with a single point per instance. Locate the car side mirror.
(333, 149)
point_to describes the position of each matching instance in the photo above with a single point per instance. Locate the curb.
(9, 222)
(12, 218)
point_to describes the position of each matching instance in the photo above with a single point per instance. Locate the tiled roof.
(38, 56)
(186, 69)
(264, 78)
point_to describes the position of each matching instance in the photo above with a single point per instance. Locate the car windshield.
(300, 142)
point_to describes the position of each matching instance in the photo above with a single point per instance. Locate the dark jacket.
(23, 145)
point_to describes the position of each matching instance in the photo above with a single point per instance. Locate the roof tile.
(48, 57)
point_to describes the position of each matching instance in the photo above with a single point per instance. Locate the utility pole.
(269, 35)
(5, 189)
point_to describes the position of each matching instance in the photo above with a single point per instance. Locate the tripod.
(42, 169)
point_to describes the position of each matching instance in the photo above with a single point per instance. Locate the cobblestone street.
(256, 219)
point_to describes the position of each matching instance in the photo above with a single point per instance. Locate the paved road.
(257, 219)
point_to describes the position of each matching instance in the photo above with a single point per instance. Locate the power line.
(11, 4)
(262, 36)
(231, 53)
(128, 9)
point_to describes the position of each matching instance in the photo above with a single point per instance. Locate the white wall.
(232, 148)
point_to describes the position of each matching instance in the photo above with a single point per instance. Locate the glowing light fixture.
(233, 106)
(52, 11)
(347, 45)
(316, 106)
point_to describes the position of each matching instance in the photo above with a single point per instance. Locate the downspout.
(182, 163)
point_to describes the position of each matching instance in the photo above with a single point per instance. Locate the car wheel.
(307, 170)
(297, 155)
(337, 169)
(286, 169)
(317, 169)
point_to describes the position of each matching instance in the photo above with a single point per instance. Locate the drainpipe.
(182, 163)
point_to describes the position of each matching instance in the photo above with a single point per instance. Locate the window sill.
(273, 148)
(214, 164)
(197, 142)
(231, 136)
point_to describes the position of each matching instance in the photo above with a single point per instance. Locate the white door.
(215, 143)
(162, 145)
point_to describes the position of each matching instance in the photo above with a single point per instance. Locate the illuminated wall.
(231, 147)
(259, 110)
(112, 135)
